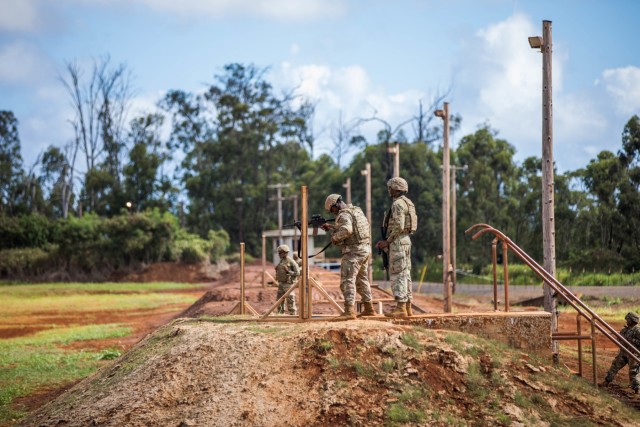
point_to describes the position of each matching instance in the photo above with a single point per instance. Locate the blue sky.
(353, 58)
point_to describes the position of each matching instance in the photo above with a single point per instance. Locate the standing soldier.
(631, 333)
(400, 222)
(287, 271)
(352, 233)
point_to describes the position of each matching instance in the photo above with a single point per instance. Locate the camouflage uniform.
(399, 222)
(631, 334)
(352, 234)
(287, 271)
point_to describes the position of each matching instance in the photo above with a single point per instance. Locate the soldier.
(352, 233)
(631, 333)
(400, 222)
(287, 271)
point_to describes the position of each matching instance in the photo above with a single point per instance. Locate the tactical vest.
(410, 219)
(361, 231)
(281, 271)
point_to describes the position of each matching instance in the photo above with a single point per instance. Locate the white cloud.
(18, 15)
(20, 62)
(346, 94)
(284, 10)
(623, 85)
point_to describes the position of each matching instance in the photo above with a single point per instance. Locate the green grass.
(408, 407)
(520, 274)
(40, 361)
(34, 362)
(410, 340)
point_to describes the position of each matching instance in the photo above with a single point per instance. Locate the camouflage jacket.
(632, 335)
(398, 224)
(287, 270)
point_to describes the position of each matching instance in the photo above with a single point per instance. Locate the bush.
(27, 231)
(24, 262)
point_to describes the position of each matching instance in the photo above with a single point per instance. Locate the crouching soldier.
(287, 272)
(631, 333)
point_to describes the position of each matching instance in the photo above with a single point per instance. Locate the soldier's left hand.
(382, 244)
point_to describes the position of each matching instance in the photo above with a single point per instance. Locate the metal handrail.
(595, 320)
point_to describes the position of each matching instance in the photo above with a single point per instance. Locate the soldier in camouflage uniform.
(351, 232)
(400, 222)
(631, 333)
(287, 272)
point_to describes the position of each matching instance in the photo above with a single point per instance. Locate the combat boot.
(409, 309)
(367, 309)
(399, 311)
(349, 313)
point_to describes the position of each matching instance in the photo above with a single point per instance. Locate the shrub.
(27, 231)
(25, 262)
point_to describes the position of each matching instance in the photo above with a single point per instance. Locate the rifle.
(316, 222)
(385, 255)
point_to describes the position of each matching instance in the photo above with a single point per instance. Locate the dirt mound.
(174, 272)
(197, 372)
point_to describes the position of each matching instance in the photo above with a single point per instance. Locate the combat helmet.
(283, 248)
(632, 317)
(331, 200)
(398, 183)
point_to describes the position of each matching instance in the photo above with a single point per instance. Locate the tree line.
(208, 158)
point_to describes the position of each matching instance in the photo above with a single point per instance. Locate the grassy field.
(44, 327)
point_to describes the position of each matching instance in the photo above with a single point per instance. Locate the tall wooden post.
(396, 162)
(367, 175)
(242, 308)
(454, 276)
(446, 211)
(548, 215)
(305, 307)
(347, 186)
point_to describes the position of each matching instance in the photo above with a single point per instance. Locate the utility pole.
(446, 211)
(279, 199)
(347, 185)
(453, 224)
(548, 216)
(367, 175)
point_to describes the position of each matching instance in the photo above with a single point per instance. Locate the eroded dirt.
(201, 373)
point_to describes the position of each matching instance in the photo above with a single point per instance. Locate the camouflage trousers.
(290, 300)
(634, 369)
(400, 269)
(354, 276)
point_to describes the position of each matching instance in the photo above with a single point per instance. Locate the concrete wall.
(523, 330)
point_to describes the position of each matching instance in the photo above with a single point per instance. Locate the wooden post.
(593, 354)
(446, 211)
(396, 161)
(305, 300)
(264, 261)
(367, 174)
(347, 186)
(505, 265)
(579, 328)
(494, 257)
(242, 309)
(279, 199)
(548, 217)
(453, 228)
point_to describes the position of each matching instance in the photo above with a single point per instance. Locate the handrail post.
(505, 264)
(579, 327)
(593, 354)
(242, 297)
(494, 254)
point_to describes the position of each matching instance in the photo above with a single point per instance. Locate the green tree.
(11, 172)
